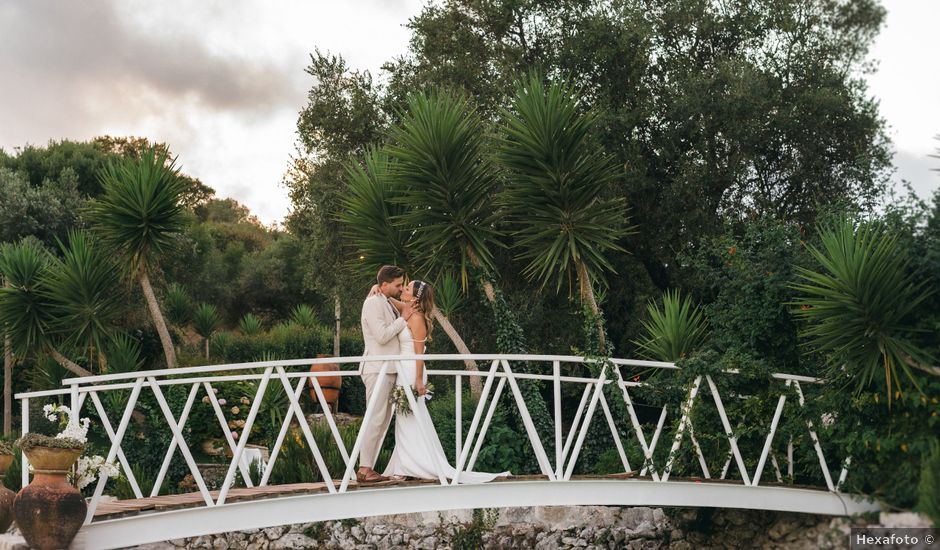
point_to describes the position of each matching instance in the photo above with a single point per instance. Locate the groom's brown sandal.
(370, 477)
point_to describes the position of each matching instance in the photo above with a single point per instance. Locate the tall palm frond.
(555, 193)
(370, 206)
(25, 312)
(446, 181)
(304, 316)
(85, 291)
(857, 306)
(139, 211)
(206, 320)
(178, 305)
(250, 324)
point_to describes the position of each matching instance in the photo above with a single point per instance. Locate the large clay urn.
(50, 511)
(331, 385)
(6, 495)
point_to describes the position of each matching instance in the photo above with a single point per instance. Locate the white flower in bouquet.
(400, 400)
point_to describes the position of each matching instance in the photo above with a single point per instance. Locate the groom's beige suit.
(381, 324)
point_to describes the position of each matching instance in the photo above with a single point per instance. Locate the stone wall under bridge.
(589, 527)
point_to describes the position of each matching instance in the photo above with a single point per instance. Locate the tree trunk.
(68, 364)
(158, 321)
(337, 316)
(476, 383)
(925, 368)
(7, 385)
(206, 340)
(587, 297)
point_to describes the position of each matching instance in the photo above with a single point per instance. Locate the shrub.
(31, 440)
(929, 486)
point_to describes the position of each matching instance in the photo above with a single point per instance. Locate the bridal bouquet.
(400, 400)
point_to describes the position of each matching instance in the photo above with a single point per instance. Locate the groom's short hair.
(389, 273)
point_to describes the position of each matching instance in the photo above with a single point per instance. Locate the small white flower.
(236, 410)
(828, 419)
(205, 399)
(222, 402)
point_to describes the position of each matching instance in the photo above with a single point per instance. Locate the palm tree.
(370, 206)
(674, 330)
(84, 287)
(442, 174)
(138, 215)
(206, 321)
(25, 309)
(562, 223)
(304, 316)
(857, 305)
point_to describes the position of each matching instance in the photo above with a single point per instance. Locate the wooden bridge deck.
(132, 507)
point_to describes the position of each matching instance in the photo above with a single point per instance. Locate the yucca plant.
(138, 215)
(442, 174)
(124, 354)
(177, 305)
(206, 321)
(857, 306)
(304, 316)
(85, 291)
(562, 222)
(673, 330)
(26, 311)
(250, 324)
(369, 210)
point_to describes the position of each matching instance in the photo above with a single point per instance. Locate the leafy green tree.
(206, 321)
(45, 211)
(857, 305)
(342, 117)
(138, 215)
(561, 222)
(715, 110)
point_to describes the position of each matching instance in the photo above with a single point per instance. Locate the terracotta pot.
(331, 385)
(6, 495)
(49, 511)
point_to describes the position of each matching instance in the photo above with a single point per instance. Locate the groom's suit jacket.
(380, 327)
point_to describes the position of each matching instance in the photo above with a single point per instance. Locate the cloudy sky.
(222, 81)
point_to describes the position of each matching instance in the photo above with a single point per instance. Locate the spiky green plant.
(564, 223)
(85, 291)
(447, 294)
(444, 177)
(857, 306)
(124, 354)
(178, 305)
(304, 316)
(26, 311)
(138, 215)
(250, 324)
(206, 321)
(369, 208)
(928, 488)
(673, 330)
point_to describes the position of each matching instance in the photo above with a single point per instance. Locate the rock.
(274, 533)
(220, 544)
(292, 541)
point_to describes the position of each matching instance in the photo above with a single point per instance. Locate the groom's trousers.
(374, 433)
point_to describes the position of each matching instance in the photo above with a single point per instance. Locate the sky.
(222, 82)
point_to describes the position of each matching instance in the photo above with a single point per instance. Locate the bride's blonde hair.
(424, 301)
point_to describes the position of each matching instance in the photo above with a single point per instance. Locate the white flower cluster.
(75, 428)
(90, 468)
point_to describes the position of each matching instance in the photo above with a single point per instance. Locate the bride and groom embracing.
(397, 320)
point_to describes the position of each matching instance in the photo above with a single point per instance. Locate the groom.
(381, 324)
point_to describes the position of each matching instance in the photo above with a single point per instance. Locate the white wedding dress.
(418, 452)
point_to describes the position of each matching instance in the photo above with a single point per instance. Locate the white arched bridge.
(152, 517)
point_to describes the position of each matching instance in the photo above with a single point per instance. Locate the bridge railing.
(498, 376)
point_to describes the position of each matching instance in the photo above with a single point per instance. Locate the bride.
(418, 452)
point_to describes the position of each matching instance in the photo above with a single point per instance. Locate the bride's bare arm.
(419, 332)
